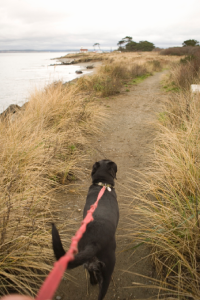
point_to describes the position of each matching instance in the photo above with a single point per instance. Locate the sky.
(63, 25)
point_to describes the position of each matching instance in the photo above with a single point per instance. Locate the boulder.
(90, 67)
(66, 61)
(10, 111)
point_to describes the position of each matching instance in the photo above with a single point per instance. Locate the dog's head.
(104, 171)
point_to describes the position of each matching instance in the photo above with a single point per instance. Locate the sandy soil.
(127, 139)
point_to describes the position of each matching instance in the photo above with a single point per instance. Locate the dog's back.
(97, 246)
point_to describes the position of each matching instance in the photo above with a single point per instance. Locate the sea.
(22, 73)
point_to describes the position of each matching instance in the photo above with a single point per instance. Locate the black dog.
(97, 246)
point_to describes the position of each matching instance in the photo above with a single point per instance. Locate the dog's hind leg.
(80, 258)
(107, 271)
(94, 267)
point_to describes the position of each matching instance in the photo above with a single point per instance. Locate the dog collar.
(107, 186)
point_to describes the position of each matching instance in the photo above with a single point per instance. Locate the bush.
(186, 73)
(156, 65)
(109, 79)
(189, 50)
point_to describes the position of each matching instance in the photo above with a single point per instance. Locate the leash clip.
(107, 186)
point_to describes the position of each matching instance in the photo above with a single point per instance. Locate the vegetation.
(187, 73)
(179, 51)
(41, 151)
(130, 45)
(171, 190)
(192, 43)
(38, 151)
(96, 44)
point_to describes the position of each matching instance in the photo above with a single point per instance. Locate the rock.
(10, 111)
(78, 72)
(66, 61)
(90, 67)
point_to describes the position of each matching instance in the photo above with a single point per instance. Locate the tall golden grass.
(119, 68)
(45, 142)
(38, 150)
(169, 201)
(123, 58)
(187, 72)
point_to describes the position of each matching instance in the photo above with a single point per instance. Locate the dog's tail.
(59, 251)
(57, 244)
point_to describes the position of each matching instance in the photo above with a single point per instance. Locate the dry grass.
(136, 57)
(185, 73)
(38, 150)
(119, 68)
(169, 201)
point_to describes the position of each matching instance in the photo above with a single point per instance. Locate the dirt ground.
(127, 139)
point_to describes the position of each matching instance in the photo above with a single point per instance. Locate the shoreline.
(16, 107)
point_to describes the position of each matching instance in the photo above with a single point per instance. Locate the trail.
(127, 139)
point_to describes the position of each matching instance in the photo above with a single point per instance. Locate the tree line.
(127, 44)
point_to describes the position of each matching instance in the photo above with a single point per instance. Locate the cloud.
(61, 24)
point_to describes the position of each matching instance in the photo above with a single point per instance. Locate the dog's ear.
(95, 167)
(112, 168)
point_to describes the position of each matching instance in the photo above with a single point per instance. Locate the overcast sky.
(62, 24)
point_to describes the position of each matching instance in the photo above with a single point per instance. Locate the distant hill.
(28, 51)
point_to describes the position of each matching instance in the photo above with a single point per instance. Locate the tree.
(145, 46)
(133, 46)
(96, 44)
(127, 39)
(141, 46)
(192, 43)
(120, 43)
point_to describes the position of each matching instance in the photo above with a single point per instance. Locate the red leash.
(51, 283)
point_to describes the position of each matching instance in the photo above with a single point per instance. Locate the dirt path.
(127, 139)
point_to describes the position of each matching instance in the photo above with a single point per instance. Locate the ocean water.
(21, 73)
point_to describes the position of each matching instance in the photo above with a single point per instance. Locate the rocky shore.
(13, 110)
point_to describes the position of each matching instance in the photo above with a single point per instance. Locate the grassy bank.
(42, 150)
(136, 57)
(170, 195)
(39, 150)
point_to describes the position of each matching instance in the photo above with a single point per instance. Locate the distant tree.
(120, 43)
(131, 46)
(127, 39)
(145, 46)
(141, 46)
(192, 43)
(96, 44)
